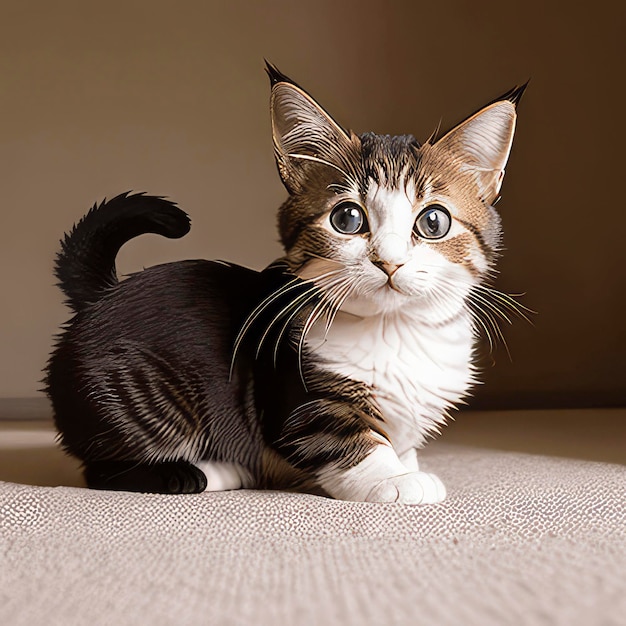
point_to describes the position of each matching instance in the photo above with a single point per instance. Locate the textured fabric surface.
(521, 539)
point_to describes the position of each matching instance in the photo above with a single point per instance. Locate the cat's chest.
(415, 372)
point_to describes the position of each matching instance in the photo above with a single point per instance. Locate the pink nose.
(389, 268)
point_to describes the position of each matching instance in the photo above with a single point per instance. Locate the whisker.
(479, 308)
(309, 157)
(254, 315)
(296, 282)
(339, 188)
(509, 302)
(297, 304)
(314, 255)
(488, 319)
(476, 318)
(341, 297)
(325, 284)
(477, 297)
(333, 303)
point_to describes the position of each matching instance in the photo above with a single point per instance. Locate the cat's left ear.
(482, 142)
(304, 134)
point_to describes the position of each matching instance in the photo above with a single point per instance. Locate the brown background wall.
(171, 98)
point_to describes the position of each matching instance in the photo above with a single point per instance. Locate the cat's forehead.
(396, 162)
(389, 159)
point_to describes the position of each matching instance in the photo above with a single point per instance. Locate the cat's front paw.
(411, 488)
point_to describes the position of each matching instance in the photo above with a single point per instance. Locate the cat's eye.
(348, 218)
(433, 222)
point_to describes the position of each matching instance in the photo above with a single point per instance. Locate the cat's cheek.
(479, 262)
(352, 248)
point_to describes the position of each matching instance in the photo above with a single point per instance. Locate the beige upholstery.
(521, 539)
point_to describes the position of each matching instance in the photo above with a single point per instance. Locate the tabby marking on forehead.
(387, 160)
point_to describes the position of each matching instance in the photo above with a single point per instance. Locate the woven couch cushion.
(521, 539)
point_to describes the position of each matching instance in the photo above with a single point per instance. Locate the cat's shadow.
(40, 465)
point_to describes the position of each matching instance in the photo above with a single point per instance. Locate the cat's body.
(329, 368)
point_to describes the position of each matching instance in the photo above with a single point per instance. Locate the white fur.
(409, 459)
(381, 477)
(416, 371)
(390, 214)
(408, 336)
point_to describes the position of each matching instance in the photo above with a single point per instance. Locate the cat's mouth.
(391, 284)
(392, 279)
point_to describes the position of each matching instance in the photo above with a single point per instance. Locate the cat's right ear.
(305, 135)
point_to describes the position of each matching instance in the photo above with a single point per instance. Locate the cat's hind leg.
(164, 477)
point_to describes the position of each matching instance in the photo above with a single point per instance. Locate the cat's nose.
(389, 268)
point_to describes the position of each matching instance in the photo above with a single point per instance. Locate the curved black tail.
(85, 265)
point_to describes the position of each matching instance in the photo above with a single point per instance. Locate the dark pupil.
(347, 219)
(432, 222)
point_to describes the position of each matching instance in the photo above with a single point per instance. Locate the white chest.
(416, 371)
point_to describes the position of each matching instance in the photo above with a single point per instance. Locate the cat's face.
(382, 223)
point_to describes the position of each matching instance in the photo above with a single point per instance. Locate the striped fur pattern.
(328, 369)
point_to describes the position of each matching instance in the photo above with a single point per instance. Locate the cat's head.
(380, 222)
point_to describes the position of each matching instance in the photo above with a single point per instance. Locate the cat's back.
(169, 320)
(169, 302)
(190, 288)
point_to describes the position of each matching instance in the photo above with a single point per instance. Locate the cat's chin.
(388, 300)
(385, 300)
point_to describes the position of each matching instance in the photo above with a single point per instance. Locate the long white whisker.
(337, 287)
(297, 304)
(338, 301)
(478, 298)
(322, 282)
(258, 310)
(262, 306)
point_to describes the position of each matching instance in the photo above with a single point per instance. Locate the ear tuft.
(275, 75)
(482, 142)
(514, 95)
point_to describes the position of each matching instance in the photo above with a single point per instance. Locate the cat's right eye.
(348, 218)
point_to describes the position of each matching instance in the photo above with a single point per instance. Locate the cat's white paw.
(381, 477)
(411, 488)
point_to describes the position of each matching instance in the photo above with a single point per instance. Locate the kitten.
(330, 368)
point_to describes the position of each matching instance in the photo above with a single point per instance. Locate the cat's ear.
(305, 134)
(482, 142)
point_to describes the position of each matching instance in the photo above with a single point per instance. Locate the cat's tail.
(85, 265)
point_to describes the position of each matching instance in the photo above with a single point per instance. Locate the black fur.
(86, 263)
(141, 382)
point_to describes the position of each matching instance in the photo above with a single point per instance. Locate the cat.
(326, 371)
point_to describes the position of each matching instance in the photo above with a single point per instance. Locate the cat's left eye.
(348, 218)
(433, 222)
